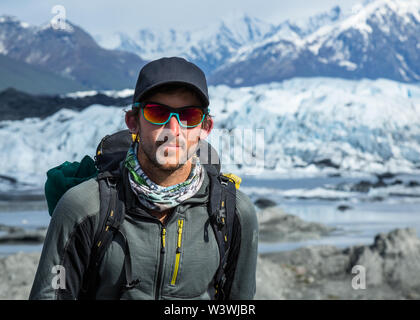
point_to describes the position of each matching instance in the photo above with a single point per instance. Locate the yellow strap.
(234, 178)
(178, 253)
(163, 237)
(180, 225)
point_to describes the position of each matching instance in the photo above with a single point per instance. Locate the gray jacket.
(187, 275)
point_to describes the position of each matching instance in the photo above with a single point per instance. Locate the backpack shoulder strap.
(111, 216)
(225, 224)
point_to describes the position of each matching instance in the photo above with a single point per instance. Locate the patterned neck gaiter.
(154, 196)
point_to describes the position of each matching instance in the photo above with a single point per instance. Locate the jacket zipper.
(178, 251)
(162, 254)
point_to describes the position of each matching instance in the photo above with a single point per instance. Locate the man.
(173, 251)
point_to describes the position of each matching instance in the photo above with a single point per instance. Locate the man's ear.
(132, 122)
(206, 128)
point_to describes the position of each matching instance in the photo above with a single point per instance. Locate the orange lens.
(156, 113)
(191, 116)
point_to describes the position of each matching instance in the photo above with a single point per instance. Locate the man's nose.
(173, 125)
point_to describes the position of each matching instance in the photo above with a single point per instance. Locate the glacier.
(310, 126)
(358, 126)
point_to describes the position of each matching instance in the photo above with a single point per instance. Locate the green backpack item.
(66, 176)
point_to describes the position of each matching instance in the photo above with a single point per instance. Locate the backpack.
(110, 153)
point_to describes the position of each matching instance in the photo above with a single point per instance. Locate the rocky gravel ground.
(387, 269)
(17, 275)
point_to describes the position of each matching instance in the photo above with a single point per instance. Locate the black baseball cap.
(173, 70)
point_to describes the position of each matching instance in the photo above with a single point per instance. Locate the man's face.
(168, 147)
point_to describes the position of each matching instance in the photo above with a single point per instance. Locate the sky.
(105, 17)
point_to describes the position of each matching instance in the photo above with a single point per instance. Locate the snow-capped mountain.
(310, 25)
(303, 126)
(213, 46)
(70, 52)
(379, 39)
(209, 47)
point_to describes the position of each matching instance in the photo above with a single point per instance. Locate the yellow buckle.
(234, 178)
(133, 137)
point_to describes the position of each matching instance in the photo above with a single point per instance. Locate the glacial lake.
(364, 219)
